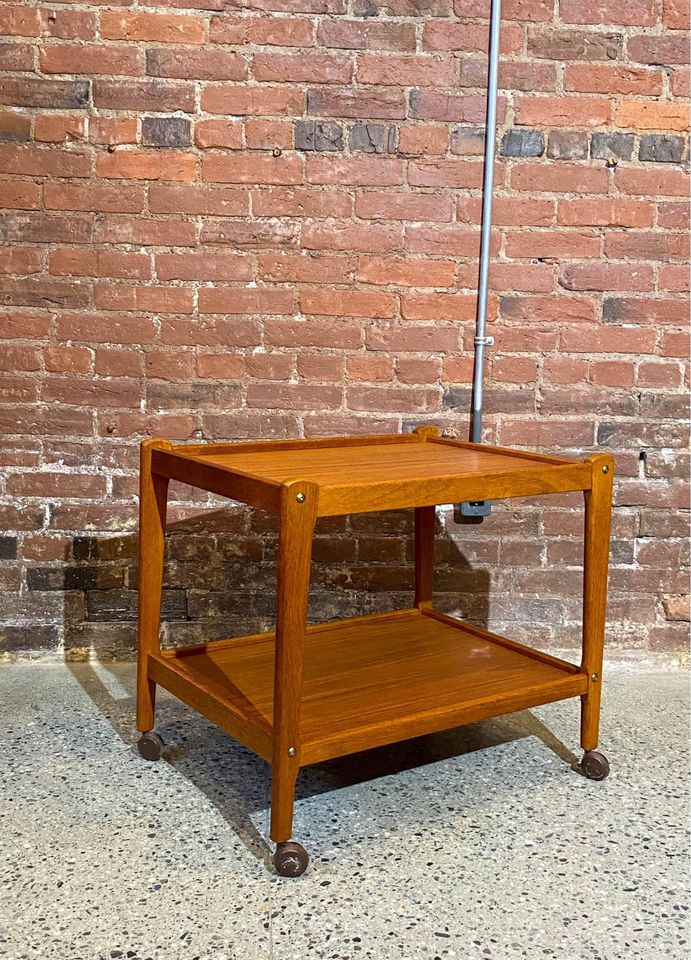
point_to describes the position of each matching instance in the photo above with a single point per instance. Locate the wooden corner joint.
(601, 464)
(426, 430)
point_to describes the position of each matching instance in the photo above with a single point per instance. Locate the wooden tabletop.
(359, 474)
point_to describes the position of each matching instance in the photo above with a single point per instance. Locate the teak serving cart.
(304, 694)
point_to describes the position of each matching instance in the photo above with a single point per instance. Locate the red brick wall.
(260, 219)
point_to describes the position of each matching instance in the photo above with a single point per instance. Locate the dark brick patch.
(523, 143)
(166, 131)
(661, 148)
(8, 548)
(605, 145)
(372, 138)
(28, 637)
(317, 135)
(567, 145)
(50, 94)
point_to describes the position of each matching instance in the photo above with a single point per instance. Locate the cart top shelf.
(360, 474)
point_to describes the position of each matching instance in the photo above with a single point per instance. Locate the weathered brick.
(166, 131)
(372, 138)
(661, 148)
(14, 127)
(523, 143)
(605, 145)
(51, 94)
(566, 45)
(318, 135)
(330, 102)
(189, 64)
(567, 145)
(359, 35)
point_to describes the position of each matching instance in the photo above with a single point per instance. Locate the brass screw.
(594, 677)
(292, 751)
(300, 497)
(611, 162)
(605, 469)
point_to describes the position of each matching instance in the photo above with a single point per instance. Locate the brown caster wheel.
(595, 765)
(150, 745)
(290, 859)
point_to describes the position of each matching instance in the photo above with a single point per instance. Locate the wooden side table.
(303, 694)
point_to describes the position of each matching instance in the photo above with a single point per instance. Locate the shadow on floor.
(237, 782)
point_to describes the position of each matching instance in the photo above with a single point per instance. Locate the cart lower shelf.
(368, 681)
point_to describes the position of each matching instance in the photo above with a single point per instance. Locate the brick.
(464, 107)
(355, 171)
(605, 145)
(652, 183)
(605, 213)
(45, 228)
(394, 399)
(294, 396)
(348, 102)
(248, 301)
(18, 21)
(445, 307)
(359, 35)
(318, 135)
(218, 133)
(673, 216)
(641, 13)
(419, 338)
(551, 244)
(272, 233)
(563, 111)
(661, 50)
(143, 95)
(203, 267)
(300, 202)
(14, 56)
(145, 165)
(301, 268)
(469, 37)
(104, 328)
(646, 245)
(268, 134)
(559, 178)
(674, 278)
(403, 206)
(523, 143)
(567, 145)
(89, 59)
(422, 139)
(51, 94)
(353, 303)
(205, 64)
(60, 359)
(509, 211)
(453, 240)
(68, 24)
(71, 261)
(468, 141)
(628, 310)
(607, 277)
(101, 197)
(263, 31)
(246, 169)
(146, 298)
(304, 68)
(165, 131)
(652, 115)
(241, 101)
(112, 130)
(371, 369)
(364, 238)
(627, 340)
(38, 484)
(611, 373)
(20, 261)
(408, 71)
(661, 148)
(43, 293)
(14, 127)
(566, 45)
(372, 138)
(198, 200)
(625, 81)
(154, 27)
(406, 273)
(57, 129)
(447, 173)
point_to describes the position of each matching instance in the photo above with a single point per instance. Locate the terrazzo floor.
(479, 844)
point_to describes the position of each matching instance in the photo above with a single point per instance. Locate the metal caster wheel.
(290, 859)
(595, 765)
(150, 745)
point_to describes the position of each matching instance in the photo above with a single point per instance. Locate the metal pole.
(481, 338)
(482, 508)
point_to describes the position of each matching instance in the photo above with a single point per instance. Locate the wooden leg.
(598, 511)
(425, 518)
(297, 518)
(153, 496)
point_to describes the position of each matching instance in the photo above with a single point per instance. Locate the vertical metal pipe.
(481, 338)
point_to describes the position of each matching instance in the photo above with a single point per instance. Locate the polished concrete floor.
(479, 843)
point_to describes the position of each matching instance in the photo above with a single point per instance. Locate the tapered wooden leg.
(297, 518)
(153, 495)
(598, 511)
(425, 518)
